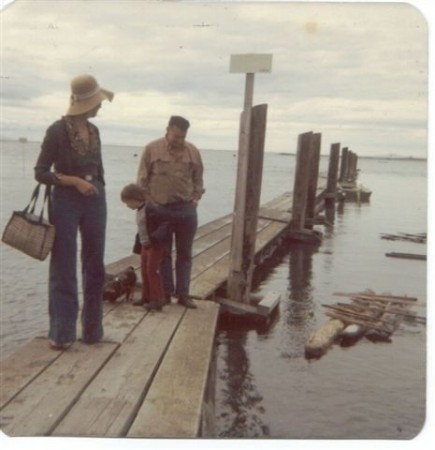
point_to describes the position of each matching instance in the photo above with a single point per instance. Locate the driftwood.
(322, 339)
(419, 238)
(381, 298)
(368, 314)
(407, 256)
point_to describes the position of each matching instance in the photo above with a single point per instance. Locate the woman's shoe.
(56, 346)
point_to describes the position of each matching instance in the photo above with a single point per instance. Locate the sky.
(355, 72)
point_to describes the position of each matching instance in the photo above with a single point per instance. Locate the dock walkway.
(153, 375)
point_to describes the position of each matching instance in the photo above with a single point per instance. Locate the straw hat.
(86, 94)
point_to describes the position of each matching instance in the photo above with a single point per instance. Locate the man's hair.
(179, 122)
(132, 192)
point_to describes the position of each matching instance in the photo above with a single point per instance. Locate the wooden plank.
(121, 321)
(268, 303)
(173, 405)
(209, 280)
(406, 255)
(36, 410)
(120, 265)
(109, 405)
(22, 366)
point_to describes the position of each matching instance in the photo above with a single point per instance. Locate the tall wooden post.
(331, 185)
(302, 173)
(344, 164)
(334, 157)
(245, 221)
(249, 175)
(313, 177)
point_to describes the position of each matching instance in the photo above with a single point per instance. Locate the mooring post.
(313, 177)
(344, 165)
(331, 185)
(302, 173)
(249, 175)
(245, 231)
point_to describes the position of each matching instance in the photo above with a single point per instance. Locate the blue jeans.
(183, 221)
(72, 212)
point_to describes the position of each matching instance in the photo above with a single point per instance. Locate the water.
(265, 386)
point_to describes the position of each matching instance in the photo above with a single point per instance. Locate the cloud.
(348, 68)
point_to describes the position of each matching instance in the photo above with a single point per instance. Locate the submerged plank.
(36, 410)
(173, 405)
(109, 404)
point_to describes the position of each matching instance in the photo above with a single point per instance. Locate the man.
(171, 174)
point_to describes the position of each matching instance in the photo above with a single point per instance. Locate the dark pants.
(72, 212)
(183, 221)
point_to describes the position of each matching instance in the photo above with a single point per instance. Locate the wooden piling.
(334, 159)
(344, 164)
(312, 181)
(246, 209)
(302, 173)
(331, 186)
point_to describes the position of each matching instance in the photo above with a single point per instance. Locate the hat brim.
(84, 106)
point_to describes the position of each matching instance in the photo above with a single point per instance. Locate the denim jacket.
(56, 151)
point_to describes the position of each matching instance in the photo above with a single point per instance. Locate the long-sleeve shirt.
(57, 151)
(168, 178)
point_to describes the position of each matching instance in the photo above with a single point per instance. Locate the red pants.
(152, 287)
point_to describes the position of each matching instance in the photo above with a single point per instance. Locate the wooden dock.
(152, 376)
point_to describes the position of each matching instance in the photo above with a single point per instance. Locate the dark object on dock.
(406, 256)
(122, 283)
(419, 238)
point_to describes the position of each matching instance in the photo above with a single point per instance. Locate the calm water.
(265, 386)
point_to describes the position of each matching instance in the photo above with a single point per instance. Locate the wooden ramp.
(152, 376)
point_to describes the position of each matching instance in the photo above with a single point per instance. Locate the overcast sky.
(355, 72)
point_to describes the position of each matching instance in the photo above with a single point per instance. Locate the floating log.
(417, 238)
(319, 342)
(382, 298)
(406, 255)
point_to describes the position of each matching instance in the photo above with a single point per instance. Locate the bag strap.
(30, 208)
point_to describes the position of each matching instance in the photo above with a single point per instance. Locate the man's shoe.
(187, 302)
(154, 306)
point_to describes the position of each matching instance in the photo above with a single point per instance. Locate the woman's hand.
(86, 188)
(83, 186)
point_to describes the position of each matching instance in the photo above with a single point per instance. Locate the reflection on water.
(266, 387)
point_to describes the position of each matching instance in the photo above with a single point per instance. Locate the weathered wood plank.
(121, 321)
(207, 281)
(118, 266)
(19, 368)
(172, 407)
(36, 410)
(111, 401)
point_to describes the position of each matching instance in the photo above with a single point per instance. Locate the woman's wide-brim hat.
(86, 94)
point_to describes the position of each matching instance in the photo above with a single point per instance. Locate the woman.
(70, 160)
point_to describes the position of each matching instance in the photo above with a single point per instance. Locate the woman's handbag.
(28, 232)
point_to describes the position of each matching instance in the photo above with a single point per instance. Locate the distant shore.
(382, 157)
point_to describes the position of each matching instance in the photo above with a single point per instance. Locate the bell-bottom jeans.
(71, 213)
(183, 220)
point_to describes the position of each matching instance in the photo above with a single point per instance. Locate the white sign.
(251, 63)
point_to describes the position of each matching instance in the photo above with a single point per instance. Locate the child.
(151, 253)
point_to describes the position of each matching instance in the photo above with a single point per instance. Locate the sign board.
(251, 63)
